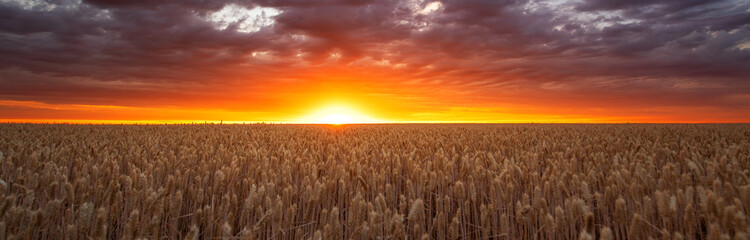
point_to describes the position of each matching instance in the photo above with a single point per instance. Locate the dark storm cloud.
(652, 48)
(190, 4)
(668, 6)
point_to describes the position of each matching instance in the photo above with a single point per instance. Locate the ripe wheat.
(629, 181)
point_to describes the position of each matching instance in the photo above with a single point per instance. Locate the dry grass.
(374, 182)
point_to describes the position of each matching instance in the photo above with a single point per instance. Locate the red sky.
(108, 61)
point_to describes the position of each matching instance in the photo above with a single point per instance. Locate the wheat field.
(409, 181)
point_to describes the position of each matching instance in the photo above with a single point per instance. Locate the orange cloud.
(394, 61)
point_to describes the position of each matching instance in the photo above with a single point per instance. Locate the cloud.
(242, 19)
(616, 53)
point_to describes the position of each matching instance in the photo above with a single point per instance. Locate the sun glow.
(338, 114)
(336, 119)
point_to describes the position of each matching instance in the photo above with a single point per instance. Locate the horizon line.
(150, 122)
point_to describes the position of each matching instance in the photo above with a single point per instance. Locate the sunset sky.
(156, 61)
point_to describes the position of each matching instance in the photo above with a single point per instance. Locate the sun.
(338, 114)
(336, 119)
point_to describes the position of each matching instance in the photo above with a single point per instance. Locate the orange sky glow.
(416, 61)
